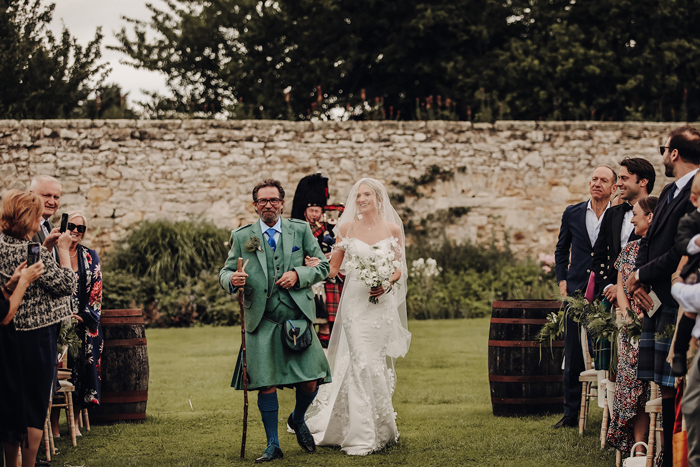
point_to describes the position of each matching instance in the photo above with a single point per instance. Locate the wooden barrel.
(524, 378)
(124, 368)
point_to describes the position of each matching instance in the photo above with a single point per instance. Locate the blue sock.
(269, 408)
(304, 400)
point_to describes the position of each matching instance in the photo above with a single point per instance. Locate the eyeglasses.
(81, 228)
(273, 201)
(662, 149)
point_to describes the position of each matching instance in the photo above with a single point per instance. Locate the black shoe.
(568, 422)
(41, 463)
(304, 438)
(679, 367)
(271, 453)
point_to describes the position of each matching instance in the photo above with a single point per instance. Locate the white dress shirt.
(683, 181)
(627, 228)
(593, 222)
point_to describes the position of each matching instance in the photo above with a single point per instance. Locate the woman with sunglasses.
(87, 305)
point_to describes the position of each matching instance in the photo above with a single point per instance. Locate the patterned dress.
(630, 393)
(87, 303)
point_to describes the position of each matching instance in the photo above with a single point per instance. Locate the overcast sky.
(82, 17)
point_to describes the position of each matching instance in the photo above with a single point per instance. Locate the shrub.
(170, 269)
(472, 277)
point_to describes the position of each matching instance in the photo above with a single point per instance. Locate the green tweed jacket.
(297, 242)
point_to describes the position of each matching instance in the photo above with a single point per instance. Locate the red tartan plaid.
(333, 292)
(318, 229)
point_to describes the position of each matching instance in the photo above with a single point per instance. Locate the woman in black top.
(13, 427)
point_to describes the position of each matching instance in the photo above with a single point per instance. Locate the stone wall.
(513, 178)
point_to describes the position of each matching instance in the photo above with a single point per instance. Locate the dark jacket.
(688, 227)
(573, 238)
(607, 247)
(658, 258)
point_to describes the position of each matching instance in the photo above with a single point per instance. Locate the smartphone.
(64, 222)
(33, 253)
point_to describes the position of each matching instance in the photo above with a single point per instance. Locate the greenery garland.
(598, 317)
(69, 337)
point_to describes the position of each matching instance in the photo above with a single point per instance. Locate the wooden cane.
(244, 361)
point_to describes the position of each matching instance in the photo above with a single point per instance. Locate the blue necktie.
(671, 193)
(271, 238)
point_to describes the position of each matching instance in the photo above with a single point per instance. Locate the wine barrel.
(124, 368)
(525, 378)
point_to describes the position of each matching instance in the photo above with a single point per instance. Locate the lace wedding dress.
(355, 411)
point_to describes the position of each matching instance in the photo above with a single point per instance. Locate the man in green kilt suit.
(277, 288)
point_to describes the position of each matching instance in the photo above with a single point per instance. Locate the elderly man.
(277, 292)
(580, 225)
(50, 191)
(656, 262)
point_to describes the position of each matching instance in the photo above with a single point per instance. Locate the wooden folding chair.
(654, 423)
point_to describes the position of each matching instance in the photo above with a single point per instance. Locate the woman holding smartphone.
(87, 306)
(46, 303)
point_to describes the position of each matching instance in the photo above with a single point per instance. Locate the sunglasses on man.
(81, 228)
(662, 149)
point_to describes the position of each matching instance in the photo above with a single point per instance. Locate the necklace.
(73, 256)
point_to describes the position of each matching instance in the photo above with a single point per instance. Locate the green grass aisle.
(442, 400)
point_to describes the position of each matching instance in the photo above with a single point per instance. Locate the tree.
(522, 59)
(242, 56)
(108, 103)
(41, 76)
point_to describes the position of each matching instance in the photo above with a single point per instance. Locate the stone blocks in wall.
(513, 178)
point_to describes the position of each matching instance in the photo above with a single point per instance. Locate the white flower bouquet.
(375, 270)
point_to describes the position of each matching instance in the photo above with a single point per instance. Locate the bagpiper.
(311, 205)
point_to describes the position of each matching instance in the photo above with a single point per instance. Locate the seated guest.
(629, 422)
(45, 305)
(13, 428)
(87, 304)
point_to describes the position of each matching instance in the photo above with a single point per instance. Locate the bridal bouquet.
(374, 270)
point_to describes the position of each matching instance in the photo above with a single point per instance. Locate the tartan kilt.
(652, 365)
(333, 292)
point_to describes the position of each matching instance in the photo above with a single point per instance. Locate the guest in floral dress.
(629, 422)
(87, 305)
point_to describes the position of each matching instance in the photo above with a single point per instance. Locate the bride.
(355, 411)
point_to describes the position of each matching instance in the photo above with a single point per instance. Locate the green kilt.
(271, 363)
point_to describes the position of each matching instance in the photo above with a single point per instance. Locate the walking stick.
(241, 268)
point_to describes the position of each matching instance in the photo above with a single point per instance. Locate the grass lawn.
(442, 399)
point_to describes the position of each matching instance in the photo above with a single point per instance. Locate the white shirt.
(627, 228)
(688, 296)
(277, 227)
(593, 222)
(683, 181)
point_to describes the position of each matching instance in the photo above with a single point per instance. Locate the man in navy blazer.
(580, 224)
(657, 261)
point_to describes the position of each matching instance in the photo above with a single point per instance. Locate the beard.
(269, 217)
(668, 169)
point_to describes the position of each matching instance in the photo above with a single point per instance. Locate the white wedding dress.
(355, 411)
